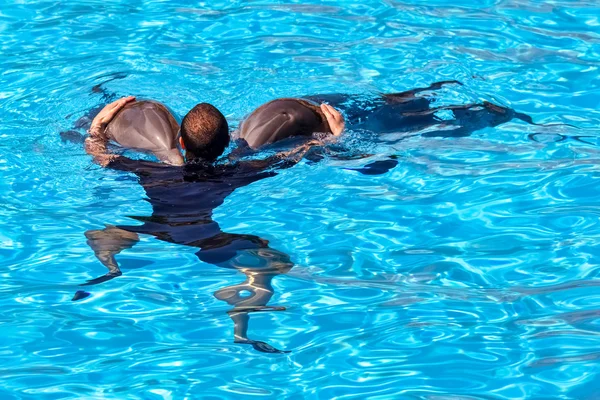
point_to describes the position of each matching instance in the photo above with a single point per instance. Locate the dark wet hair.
(205, 132)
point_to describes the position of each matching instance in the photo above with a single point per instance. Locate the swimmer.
(183, 199)
(193, 190)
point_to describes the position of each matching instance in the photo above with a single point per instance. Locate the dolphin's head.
(280, 119)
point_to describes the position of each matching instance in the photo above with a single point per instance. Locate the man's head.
(204, 133)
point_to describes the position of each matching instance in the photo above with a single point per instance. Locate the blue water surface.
(468, 271)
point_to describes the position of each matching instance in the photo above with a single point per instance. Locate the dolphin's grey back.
(147, 126)
(280, 119)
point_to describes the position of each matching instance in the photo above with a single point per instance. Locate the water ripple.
(469, 271)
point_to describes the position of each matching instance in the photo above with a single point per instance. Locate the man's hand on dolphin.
(107, 114)
(95, 145)
(334, 118)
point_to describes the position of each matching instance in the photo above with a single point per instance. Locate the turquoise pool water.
(471, 269)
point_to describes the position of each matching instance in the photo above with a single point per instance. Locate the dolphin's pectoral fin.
(79, 295)
(263, 347)
(410, 94)
(103, 278)
(377, 167)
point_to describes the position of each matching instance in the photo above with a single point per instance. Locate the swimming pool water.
(469, 270)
